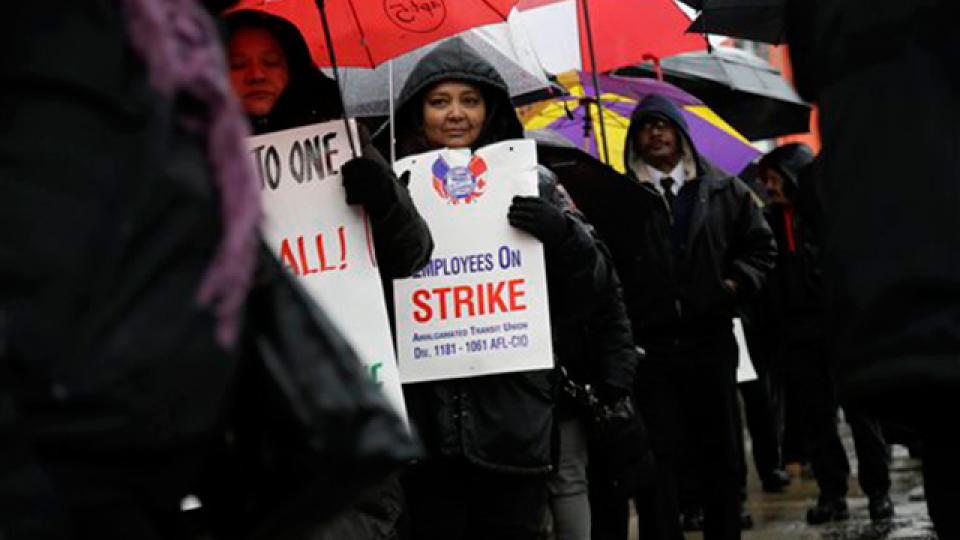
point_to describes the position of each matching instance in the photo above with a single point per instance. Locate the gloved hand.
(539, 218)
(369, 183)
(608, 393)
(616, 406)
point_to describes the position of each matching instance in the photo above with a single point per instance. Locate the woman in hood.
(281, 88)
(274, 76)
(490, 441)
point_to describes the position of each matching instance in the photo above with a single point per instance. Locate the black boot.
(880, 507)
(828, 509)
(746, 519)
(691, 518)
(775, 481)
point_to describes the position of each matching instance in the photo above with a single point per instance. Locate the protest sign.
(479, 307)
(323, 241)
(745, 369)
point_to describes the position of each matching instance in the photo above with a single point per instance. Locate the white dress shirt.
(678, 175)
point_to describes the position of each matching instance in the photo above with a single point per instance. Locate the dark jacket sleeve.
(575, 266)
(401, 236)
(585, 291)
(755, 250)
(29, 504)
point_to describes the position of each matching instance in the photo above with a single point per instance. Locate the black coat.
(108, 222)
(598, 349)
(500, 422)
(791, 311)
(884, 75)
(676, 298)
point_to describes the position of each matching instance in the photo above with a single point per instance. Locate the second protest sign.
(480, 305)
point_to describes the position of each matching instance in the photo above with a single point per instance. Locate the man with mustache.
(697, 248)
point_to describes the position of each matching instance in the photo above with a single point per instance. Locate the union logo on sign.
(459, 184)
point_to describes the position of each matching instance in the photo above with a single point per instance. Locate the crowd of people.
(129, 249)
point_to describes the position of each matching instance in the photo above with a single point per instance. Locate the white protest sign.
(745, 369)
(326, 243)
(479, 307)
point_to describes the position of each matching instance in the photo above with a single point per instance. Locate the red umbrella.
(365, 33)
(621, 32)
(617, 33)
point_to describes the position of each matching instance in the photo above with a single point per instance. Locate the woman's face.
(258, 69)
(453, 114)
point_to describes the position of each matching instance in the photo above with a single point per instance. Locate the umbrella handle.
(336, 75)
(656, 65)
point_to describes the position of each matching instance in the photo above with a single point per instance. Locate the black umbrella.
(605, 196)
(744, 90)
(756, 20)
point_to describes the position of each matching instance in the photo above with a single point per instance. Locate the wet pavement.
(781, 516)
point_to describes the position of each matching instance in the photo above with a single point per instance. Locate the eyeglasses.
(651, 124)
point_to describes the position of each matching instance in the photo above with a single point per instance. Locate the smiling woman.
(453, 114)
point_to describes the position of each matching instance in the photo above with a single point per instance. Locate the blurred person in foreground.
(128, 241)
(884, 76)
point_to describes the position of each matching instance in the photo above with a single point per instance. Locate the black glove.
(608, 393)
(538, 217)
(370, 183)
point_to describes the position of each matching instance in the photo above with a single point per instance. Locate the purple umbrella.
(576, 118)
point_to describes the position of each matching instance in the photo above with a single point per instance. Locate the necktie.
(667, 184)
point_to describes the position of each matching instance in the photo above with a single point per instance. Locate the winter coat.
(602, 351)
(884, 76)
(792, 301)
(109, 221)
(678, 298)
(401, 238)
(500, 422)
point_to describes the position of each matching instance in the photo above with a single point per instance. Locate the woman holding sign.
(280, 88)
(490, 440)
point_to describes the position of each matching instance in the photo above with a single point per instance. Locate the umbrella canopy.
(366, 91)
(576, 118)
(368, 32)
(623, 32)
(599, 191)
(756, 20)
(743, 89)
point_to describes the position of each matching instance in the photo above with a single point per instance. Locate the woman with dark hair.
(280, 88)
(274, 76)
(491, 440)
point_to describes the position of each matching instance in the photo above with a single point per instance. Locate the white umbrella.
(366, 91)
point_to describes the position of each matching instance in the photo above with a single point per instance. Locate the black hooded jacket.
(500, 422)
(884, 77)
(675, 294)
(793, 300)
(401, 237)
(109, 223)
